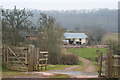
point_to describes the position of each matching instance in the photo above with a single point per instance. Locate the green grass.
(98, 79)
(81, 68)
(95, 65)
(60, 76)
(87, 52)
(49, 67)
(59, 67)
(80, 63)
(10, 73)
(56, 67)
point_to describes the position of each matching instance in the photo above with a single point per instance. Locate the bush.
(68, 59)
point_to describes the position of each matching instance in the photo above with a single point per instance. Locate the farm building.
(28, 36)
(31, 37)
(76, 38)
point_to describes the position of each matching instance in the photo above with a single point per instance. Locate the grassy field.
(9, 73)
(56, 67)
(110, 36)
(86, 52)
(60, 76)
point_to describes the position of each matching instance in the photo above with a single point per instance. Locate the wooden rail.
(112, 66)
(31, 59)
(42, 58)
(15, 56)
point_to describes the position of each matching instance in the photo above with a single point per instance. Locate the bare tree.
(96, 35)
(50, 37)
(113, 47)
(15, 19)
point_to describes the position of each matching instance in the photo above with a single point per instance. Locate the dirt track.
(86, 62)
(90, 67)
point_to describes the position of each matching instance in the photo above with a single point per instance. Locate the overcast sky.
(60, 4)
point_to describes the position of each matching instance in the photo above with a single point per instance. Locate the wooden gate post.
(4, 56)
(100, 66)
(31, 60)
(34, 60)
(109, 63)
(7, 59)
(116, 66)
(119, 68)
(37, 59)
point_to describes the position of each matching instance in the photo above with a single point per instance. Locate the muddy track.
(90, 67)
(86, 62)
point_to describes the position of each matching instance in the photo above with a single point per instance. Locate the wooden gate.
(17, 58)
(116, 66)
(24, 58)
(112, 66)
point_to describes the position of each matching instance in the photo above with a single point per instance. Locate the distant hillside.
(82, 20)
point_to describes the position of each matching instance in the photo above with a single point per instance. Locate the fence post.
(26, 58)
(119, 68)
(31, 61)
(7, 59)
(37, 59)
(109, 63)
(116, 66)
(100, 66)
(4, 56)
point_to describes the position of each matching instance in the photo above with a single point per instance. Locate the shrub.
(68, 59)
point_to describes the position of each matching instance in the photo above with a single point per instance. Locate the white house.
(76, 38)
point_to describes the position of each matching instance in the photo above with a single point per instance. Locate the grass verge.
(10, 73)
(60, 76)
(95, 65)
(81, 68)
(56, 67)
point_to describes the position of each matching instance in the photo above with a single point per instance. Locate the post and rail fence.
(111, 66)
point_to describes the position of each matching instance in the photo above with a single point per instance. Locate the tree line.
(49, 33)
(84, 20)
